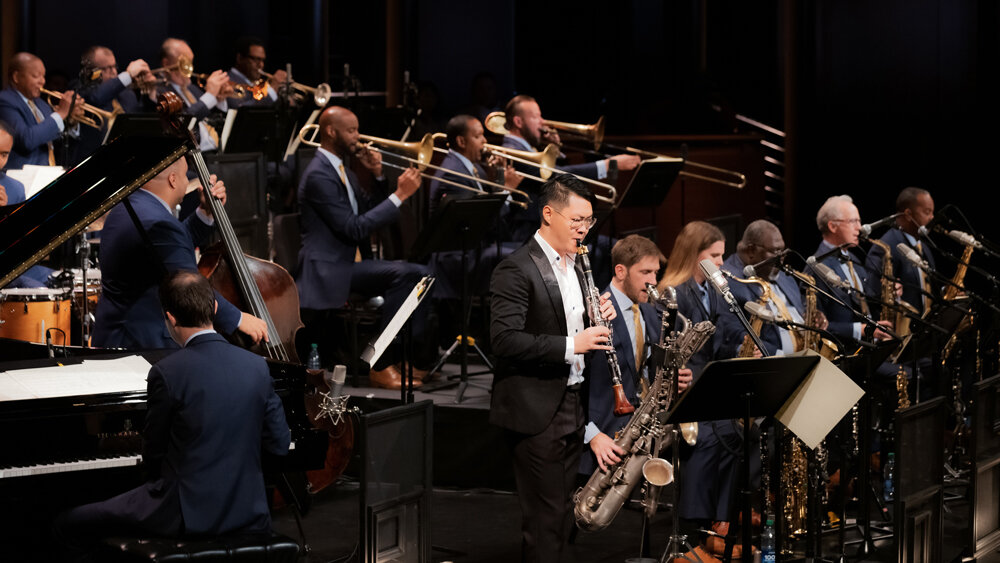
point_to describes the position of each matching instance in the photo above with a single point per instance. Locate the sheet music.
(35, 177)
(375, 349)
(227, 129)
(91, 377)
(822, 399)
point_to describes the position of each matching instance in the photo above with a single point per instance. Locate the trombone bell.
(545, 160)
(422, 151)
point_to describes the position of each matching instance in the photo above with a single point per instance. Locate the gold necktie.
(211, 130)
(857, 285)
(927, 283)
(639, 337)
(787, 315)
(343, 178)
(39, 119)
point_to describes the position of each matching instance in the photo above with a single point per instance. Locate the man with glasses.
(250, 59)
(539, 335)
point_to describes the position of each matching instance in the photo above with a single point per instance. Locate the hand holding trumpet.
(70, 106)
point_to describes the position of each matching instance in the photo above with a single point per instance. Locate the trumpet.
(496, 122)
(92, 116)
(186, 67)
(321, 94)
(420, 155)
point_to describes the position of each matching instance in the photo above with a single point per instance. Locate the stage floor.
(475, 515)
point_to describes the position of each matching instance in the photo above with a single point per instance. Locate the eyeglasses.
(588, 222)
(848, 221)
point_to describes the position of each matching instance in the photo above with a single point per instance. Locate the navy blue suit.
(211, 410)
(14, 188)
(128, 312)
(908, 274)
(37, 275)
(31, 138)
(601, 403)
(730, 327)
(841, 319)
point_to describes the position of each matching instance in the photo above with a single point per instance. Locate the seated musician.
(465, 143)
(107, 89)
(527, 132)
(133, 263)
(761, 241)
(635, 328)
(338, 217)
(36, 126)
(208, 106)
(711, 467)
(203, 463)
(250, 59)
(12, 193)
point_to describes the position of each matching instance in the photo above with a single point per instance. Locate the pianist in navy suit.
(637, 261)
(35, 129)
(338, 218)
(128, 311)
(204, 463)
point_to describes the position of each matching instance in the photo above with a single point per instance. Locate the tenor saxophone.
(598, 502)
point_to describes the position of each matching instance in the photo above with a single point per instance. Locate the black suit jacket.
(908, 274)
(528, 333)
(689, 304)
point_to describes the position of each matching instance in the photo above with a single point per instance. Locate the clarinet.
(622, 404)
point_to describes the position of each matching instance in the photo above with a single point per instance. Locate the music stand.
(651, 182)
(252, 130)
(743, 389)
(135, 125)
(457, 226)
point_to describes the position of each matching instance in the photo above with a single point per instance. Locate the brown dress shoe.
(389, 378)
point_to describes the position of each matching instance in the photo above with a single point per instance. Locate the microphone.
(48, 342)
(760, 311)
(965, 238)
(867, 229)
(750, 270)
(911, 256)
(718, 280)
(335, 381)
(829, 276)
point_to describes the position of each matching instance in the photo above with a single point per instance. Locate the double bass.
(262, 288)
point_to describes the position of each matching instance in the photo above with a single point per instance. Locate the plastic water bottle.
(313, 361)
(767, 542)
(888, 472)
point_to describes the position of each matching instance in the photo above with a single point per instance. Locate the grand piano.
(58, 449)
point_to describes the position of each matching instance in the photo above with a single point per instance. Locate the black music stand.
(136, 125)
(457, 226)
(743, 389)
(651, 182)
(253, 130)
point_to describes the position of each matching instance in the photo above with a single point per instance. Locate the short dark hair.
(629, 250)
(6, 128)
(456, 127)
(556, 191)
(189, 298)
(907, 198)
(243, 44)
(510, 110)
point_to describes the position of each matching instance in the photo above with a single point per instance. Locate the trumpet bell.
(658, 471)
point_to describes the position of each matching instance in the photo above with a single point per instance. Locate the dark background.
(873, 96)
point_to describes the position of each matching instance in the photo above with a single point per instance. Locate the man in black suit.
(204, 463)
(637, 326)
(540, 340)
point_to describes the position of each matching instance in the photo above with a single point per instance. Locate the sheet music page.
(35, 177)
(91, 377)
(227, 129)
(823, 398)
(375, 349)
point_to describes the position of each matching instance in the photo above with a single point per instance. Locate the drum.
(93, 288)
(26, 313)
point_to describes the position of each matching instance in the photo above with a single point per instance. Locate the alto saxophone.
(953, 293)
(598, 502)
(757, 323)
(622, 404)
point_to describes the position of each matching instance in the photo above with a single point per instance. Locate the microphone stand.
(947, 281)
(866, 319)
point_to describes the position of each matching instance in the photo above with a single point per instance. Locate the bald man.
(208, 105)
(338, 217)
(128, 312)
(35, 124)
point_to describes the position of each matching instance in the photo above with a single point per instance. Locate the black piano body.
(58, 452)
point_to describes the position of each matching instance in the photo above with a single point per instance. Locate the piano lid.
(31, 230)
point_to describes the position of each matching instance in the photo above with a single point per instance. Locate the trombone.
(321, 94)
(423, 151)
(92, 116)
(496, 122)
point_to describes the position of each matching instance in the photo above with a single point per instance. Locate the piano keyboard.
(65, 467)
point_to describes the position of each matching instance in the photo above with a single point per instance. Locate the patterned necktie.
(212, 133)
(350, 197)
(856, 282)
(38, 118)
(640, 339)
(926, 282)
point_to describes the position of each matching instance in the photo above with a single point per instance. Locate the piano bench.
(259, 548)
